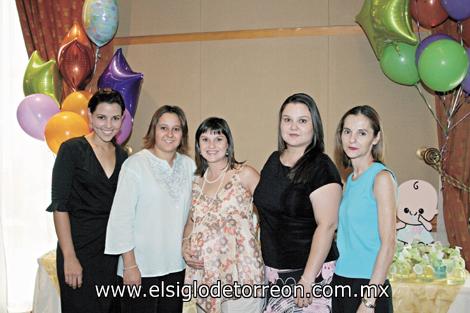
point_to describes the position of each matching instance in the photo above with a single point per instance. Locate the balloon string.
(97, 56)
(460, 121)
(430, 109)
(417, 22)
(460, 31)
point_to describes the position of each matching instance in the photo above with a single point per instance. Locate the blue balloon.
(100, 19)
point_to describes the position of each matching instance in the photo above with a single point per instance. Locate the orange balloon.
(63, 126)
(77, 102)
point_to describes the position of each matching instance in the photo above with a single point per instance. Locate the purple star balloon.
(119, 76)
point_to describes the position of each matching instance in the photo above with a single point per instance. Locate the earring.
(226, 153)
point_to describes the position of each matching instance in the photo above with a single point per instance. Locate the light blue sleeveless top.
(358, 228)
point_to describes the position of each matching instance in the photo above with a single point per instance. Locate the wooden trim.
(240, 34)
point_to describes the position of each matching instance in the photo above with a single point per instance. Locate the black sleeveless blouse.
(287, 222)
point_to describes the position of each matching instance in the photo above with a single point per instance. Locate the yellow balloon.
(63, 126)
(42, 77)
(77, 102)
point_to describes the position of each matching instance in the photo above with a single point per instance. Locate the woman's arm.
(188, 254)
(325, 202)
(131, 273)
(386, 196)
(249, 178)
(62, 180)
(72, 267)
(120, 232)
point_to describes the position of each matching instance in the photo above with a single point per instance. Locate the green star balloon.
(42, 77)
(386, 22)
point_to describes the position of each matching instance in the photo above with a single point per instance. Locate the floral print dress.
(224, 236)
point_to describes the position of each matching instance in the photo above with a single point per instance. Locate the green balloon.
(385, 22)
(398, 64)
(42, 77)
(443, 65)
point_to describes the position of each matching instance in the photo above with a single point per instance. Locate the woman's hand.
(132, 276)
(306, 300)
(363, 309)
(190, 257)
(73, 272)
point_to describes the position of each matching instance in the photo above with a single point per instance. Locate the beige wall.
(245, 81)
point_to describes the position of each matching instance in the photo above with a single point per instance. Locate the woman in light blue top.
(366, 228)
(149, 212)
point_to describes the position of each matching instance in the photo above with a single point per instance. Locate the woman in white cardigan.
(149, 212)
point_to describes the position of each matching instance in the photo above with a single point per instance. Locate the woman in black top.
(297, 199)
(84, 180)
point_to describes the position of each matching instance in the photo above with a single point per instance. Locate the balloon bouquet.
(42, 115)
(439, 62)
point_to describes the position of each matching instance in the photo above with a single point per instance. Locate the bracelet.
(304, 280)
(130, 267)
(368, 304)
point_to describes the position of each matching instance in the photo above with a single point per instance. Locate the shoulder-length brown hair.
(375, 123)
(218, 126)
(149, 139)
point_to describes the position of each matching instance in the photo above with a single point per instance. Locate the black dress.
(81, 188)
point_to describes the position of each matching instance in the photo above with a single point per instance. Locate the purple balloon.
(33, 113)
(427, 41)
(466, 81)
(119, 76)
(126, 128)
(459, 10)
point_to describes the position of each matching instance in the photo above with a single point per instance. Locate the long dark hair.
(300, 171)
(214, 125)
(374, 119)
(149, 139)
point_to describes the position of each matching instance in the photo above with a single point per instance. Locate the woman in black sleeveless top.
(297, 199)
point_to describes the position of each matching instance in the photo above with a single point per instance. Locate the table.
(46, 291)
(408, 297)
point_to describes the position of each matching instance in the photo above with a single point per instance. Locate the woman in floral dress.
(220, 243)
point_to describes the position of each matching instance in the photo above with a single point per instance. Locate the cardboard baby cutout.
(417, 206)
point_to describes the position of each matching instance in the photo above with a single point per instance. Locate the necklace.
(222, 175)
(206, 180)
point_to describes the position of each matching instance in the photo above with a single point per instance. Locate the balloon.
(386, 21)
(466, 81)
(427, 41)
(42, 77)
(33, 113)
(443, 65)
(457, 9)
(100, 19)
(398, 64)
(76, 58)
(77, 102)
(119, 76)
(126, 128)
(63, 126)
(428, 13)
(466, 32)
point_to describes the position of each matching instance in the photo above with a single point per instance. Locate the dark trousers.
(151, 301)
(350, 304)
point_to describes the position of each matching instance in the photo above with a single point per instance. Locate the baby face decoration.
(417, 200)
(417, 206)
